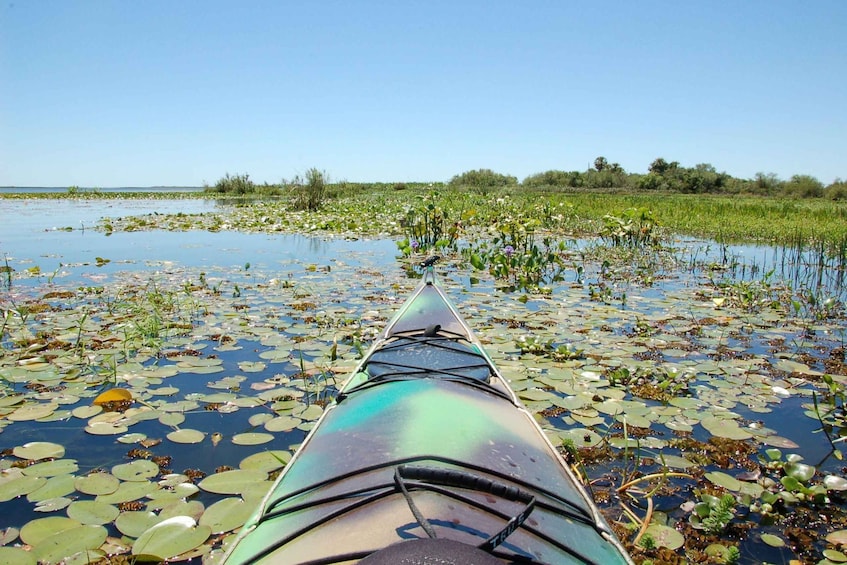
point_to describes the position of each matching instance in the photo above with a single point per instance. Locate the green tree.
(803, 186)
(600, 164)
(482, 178)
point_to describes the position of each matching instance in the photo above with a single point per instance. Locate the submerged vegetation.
(699, 392)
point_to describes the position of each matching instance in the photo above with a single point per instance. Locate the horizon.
(110, 94)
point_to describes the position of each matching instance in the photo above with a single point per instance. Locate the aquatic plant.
(713, 513)
(634, 228)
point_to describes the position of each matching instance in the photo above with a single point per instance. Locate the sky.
(159, 93)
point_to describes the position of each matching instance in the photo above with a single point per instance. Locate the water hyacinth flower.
(509, 250)
(414, 245)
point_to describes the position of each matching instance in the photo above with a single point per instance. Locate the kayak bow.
(426, 455)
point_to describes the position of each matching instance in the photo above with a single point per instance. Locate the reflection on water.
(58, 238)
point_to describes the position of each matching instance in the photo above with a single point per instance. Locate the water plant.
(635, 227)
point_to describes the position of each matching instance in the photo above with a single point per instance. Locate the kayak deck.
(426, 440)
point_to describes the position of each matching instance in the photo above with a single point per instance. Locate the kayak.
(426, 455)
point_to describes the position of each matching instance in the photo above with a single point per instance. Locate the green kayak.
(426, 456)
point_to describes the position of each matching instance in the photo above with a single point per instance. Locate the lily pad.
(170, 538)
(282, 424)
(13, 488)
(266, 461)
(33, 411)
(226, 515)
(665, 536)
(139, 470)
(253, 438)
(55, 487)
(17, 556)
(36, 531)
(186, 436)
(97, 483)
(39, 450)
(53, 504)
(127, 492)
(112, 395)
(133, 524)
(52, 468)
(232, 482)
(724, 480)
(92, 512)
(57, 547)
(772, 540)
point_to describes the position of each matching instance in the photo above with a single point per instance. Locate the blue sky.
(108, 93)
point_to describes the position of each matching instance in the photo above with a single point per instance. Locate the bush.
(836, 191)
(558, 179)
(482, 178)
(310, 193)
(803, 186)
(236, 184)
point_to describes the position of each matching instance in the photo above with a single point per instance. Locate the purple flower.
(415, 244)
(509, 250)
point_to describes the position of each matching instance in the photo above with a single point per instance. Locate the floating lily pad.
(112, 395)
(728, 429)
(226, 515)
(18, 486)
(97, 483)
(57, 547)
(55, 487)
(282, 424)
(266, 461)
(52, 468)
(52, 504)
(772, 540)
(36, 531)
(132, 438)
(723, 480)
(133, 524)
(32, 411)
(232, 482)
(170, 538)
(17, 556)
(665, 536)
(139, 470)
(253, 438)
(92, 513)
(105, 429)
(127, 492)
(191, 508)
(39, 450)
(172, 418)
(186, 436)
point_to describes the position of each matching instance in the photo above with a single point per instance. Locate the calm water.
(58, 238)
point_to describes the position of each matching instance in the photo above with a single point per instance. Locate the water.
(57, 239)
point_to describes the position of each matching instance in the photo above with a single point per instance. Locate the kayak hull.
(340, 499)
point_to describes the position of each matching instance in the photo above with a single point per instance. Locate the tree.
(803, 186)
(600, 163)
(660, 166)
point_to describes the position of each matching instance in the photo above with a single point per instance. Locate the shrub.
(482, 178)
(236, 184)
(558, 179)
(803, 186)
(309, 193)
(836, 191)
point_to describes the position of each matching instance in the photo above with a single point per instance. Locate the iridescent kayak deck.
(426, 439)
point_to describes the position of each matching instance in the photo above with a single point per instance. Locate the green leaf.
(232, 482)
(39, 450)
(170, 538)
(227, 515)
(772, 540)
(666, 536)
